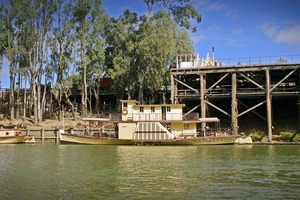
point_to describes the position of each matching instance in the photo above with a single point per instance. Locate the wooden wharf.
(235, 85)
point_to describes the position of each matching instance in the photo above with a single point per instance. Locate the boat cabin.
(8, 132)
(156, 121)
(132, 111)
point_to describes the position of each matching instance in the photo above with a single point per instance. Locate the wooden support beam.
(202, 100)
(43, 135)
(269, 105)
(234, 104)
(252, 81)
(173, 88)
(186, 85)
(256, 113)
(217, 82)
(276, 85)
(191, 110)
(252, 108)
(216, 107)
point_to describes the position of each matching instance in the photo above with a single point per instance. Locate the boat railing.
(153, 116)
(215, 132)
(191, 116)
(115, 116)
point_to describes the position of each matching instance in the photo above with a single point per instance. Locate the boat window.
(124, 105)
(168, 109)
(152, 109)
(186, 126)
(7, 133)
(141, 109)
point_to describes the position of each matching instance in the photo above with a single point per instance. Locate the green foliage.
(296, 138)
(181, 10)
(143, 49)
(44, 39)
(289, 136)
(122, 59)
(256, 135)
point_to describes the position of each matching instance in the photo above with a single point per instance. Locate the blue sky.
(238, 29)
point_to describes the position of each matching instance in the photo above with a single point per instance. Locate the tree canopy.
(58, 41)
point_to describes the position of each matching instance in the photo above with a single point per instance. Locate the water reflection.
(50, 171)
(209, 171)
(153, 170)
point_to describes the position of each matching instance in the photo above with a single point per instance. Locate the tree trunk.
(11, 93)
(141, 90)
(84, 82)
(35, 107)
(25, 100)
(96, 94)
(90, 100)
(38, 100)
(18, 97)
(60, 77)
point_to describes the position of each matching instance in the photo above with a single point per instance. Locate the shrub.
(286, 136)
(297, 138)
(256, 135)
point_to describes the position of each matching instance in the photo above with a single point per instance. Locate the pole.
(202, 101)
(213, 53)
(269, 105)
(234, 105)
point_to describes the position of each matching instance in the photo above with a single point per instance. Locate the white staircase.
(152, 131)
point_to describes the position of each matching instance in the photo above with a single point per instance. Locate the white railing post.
(164, 129)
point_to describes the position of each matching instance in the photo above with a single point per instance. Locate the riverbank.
(276, 143)
(48, 131)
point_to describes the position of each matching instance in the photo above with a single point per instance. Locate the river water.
(53, 171)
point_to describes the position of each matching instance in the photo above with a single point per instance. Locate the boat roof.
(150, 105)
(209, 119)
(95, 119)
(133, 101)
(159, 105)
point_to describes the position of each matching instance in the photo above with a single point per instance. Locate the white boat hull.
(76, 139)
(13, 139)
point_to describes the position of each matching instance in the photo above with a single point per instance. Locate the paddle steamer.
(155, 124)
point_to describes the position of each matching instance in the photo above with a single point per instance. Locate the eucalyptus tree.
(44, 19)
(161, 41)
(33, 19)
(141, 47)
(20, 11)
(6, 46)
(3, 38)
(181, 10)
(61, 53)
(122, 57)
(89, 20)
(10, 49)
(3, 44)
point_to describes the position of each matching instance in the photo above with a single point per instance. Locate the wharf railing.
(52, 135)
(259, 60)
(43, 135)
